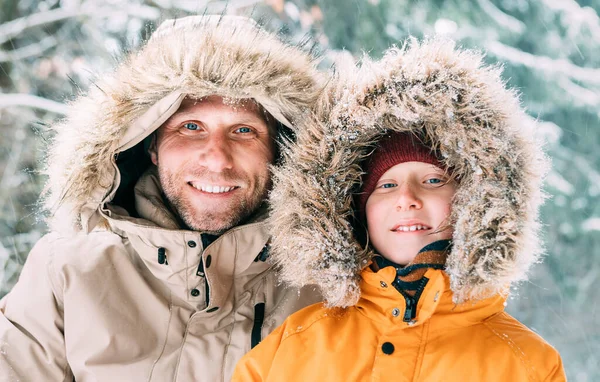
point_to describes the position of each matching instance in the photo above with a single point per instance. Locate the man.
(155, 267)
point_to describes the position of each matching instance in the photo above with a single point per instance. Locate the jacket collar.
(409, 279)
(236, 252)
(382, 303)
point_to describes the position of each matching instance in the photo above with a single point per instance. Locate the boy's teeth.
(411, 228)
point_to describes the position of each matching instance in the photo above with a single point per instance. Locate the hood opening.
(132, 163)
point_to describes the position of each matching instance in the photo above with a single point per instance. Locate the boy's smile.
(410, 226)
(409, 209)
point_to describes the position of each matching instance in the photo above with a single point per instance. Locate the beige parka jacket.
(118, 291)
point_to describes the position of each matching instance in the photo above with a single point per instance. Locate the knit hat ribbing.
(393, 149)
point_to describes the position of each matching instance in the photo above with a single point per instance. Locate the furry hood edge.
(195, 57)
(463, 107)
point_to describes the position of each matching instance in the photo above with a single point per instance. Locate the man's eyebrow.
(249, 119)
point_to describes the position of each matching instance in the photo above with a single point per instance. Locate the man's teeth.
(411, 228)
(212, 189)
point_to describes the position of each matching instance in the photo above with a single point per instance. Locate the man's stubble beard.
(210, 221)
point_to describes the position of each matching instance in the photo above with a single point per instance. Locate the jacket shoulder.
(304, 319)
(78, 250)
(541, 360)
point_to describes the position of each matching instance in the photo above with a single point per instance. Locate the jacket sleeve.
(256, 364)
(32, 345)
(557, 372)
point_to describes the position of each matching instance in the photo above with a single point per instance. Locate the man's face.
(409, 209)
(213, 160)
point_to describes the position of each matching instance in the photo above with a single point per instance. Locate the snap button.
(195, 292)
(383, 284)
(212, 309)
(191, 244)
(395, 312)
(387, 348)
(208, 260)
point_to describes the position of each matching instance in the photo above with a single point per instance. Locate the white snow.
(591, 224)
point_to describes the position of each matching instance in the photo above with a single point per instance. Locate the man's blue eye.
(388, 185)
(434, 181)
(244, 130)
(191, 126)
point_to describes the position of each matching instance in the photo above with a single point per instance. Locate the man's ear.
(152, 150)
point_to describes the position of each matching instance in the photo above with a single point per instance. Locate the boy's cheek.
(374, 220)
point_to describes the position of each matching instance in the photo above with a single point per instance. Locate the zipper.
(206, 240)
(410, 312)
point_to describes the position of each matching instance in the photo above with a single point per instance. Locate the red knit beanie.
(392, 149)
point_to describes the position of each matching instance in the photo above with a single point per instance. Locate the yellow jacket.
(371, 341)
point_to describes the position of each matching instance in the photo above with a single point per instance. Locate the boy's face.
(410, 204)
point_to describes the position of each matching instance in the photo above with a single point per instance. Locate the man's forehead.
(246, 106)
(243, 110)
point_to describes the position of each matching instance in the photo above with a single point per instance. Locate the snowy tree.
(50, 50)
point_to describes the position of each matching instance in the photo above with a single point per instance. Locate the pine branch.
(15, 27)
(580, 94)
(577, 15)
(31, 101)
(591, 224)
(544, 63)
(30, 50)
(196, 6)
(503, 19)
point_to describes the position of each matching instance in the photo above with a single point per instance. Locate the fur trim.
(197, 56)
(463, 107)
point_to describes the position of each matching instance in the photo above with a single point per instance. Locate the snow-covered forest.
(51, 50)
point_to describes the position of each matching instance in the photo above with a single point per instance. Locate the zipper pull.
(410, 312)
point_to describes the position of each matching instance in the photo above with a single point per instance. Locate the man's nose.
(217, 154)
(407, 198)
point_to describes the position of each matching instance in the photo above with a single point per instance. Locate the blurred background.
(50, 51)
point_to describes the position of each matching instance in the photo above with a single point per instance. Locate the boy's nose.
(407, 199)
(217, 155)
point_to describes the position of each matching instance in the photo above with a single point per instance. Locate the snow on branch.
(580, 94)
(577, 15)
(197, 6)
(503, 19)
(32, 101)
(30, 50)
(15, 27)
(543, 63)
(591, 224)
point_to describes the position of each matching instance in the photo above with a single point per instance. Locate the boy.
(449, 197)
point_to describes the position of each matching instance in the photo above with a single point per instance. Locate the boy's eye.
(191, 126)
(435, 181)
(388, 185)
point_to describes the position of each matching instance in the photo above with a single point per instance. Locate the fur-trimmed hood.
(99, 146)
(478, 126)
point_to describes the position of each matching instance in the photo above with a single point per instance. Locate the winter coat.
(368, 330)
(371, 341)
(118, 291)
